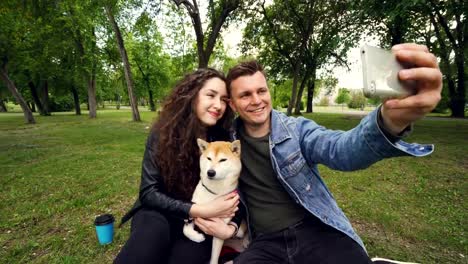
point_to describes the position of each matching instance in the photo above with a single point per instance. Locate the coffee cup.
(104, 228)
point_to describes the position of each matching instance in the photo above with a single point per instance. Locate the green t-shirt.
(270, 206)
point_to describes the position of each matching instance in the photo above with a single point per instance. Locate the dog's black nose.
(211, 173)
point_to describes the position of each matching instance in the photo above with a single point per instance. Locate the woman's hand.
(224, 206)
(215, 227)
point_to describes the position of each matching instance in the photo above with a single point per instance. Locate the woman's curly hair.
(178, 128)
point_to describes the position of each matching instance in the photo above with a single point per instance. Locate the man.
(292, 216)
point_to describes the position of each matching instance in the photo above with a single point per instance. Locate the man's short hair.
(246, 68)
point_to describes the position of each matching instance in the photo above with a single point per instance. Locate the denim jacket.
(297, 145)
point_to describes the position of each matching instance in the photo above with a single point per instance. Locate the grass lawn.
(57, 175)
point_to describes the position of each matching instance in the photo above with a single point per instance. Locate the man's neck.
(257, 131)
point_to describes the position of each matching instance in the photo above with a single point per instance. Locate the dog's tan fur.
(224, 159)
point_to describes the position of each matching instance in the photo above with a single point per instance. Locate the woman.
(196, 108)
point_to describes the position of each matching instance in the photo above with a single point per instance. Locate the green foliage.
(374, 101)
(328, 84)
(440, 25)
(294, 39)
(324, 101)
(392, 21)
(218, 15)
(151, 65)
(280, 93)
(357, 100)
(343, 96)
(61, 104)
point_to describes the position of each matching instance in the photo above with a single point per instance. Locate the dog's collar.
(208, 189)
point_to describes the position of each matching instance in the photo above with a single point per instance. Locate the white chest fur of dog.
(220, 168)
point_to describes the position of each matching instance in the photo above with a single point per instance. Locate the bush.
(301, 105)
(358, 101)
(324, 101)
(61, 104)
(283, 100)
(343, 96)
(374, 101)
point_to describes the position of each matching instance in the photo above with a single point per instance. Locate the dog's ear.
(202, 144)
(236, 147)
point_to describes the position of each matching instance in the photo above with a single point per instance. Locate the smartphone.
(380, 73)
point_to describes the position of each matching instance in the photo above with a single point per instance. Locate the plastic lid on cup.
(104, 219)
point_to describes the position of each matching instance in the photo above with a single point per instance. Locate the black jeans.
(309, 241)
(156, 238)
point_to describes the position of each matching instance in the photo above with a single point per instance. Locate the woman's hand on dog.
(224, 207)
(215, 227)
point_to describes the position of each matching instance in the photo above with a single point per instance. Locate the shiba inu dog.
(220, 168)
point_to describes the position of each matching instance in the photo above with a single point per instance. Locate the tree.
(441, 25)
(343, 96)
(295, 38)
(280, 92)
(80, 22)
(12, 32)
(46, 56)
(14, 91)
(123, 53)
(357, 100)
(391, 20)
(443, 14)
(3, 98)
(146, 48)
(3, 107)
(274, 23)
(218, 14)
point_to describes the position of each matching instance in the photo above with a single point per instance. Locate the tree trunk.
(310, 92)
(216, 21)
(397, 30)
(45, 98)
(32, 106)
(3, 107)
(297, 110)
(117, 100)
(462, 36)
(92, 105)
(456, 94)
(76, 99)
(35, 97)
(28, 116)
(457, 103)
(292, 100)
(148, 88)
(89, 76)
(151, 101)
(458, 42)
(444, 60)
(92, 79)
(200, 37)
(128, 72)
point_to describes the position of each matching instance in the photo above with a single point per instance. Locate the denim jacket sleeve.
(152, 186)
(355, 149)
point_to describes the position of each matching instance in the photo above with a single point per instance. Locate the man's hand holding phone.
(398, 113)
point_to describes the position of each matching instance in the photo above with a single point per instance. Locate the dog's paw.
(197, 237)
(242, 230)
(245, 242)
(193, 235)
(240, 233)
